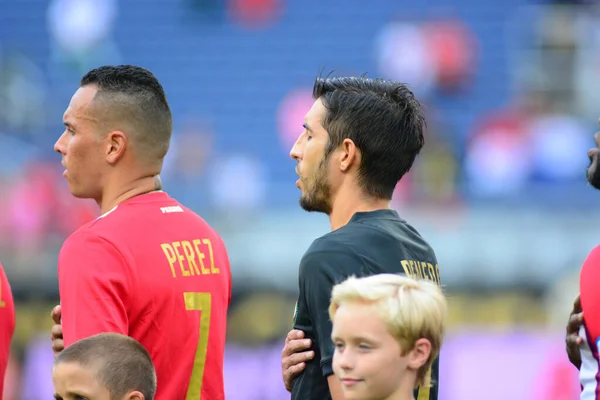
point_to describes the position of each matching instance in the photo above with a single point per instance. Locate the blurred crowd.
(508, 88)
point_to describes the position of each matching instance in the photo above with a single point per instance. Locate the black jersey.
(371, 243)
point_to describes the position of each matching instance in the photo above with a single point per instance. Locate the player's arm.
(320, 272)
(95, 287)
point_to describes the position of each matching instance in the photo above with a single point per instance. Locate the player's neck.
(126, 191)
(345, 205)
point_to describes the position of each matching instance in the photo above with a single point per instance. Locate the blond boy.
(387, 330)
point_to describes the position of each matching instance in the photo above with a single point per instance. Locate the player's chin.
(356, 392)
(79, 195)
(311, 204)
(305, 203)
(79, 192)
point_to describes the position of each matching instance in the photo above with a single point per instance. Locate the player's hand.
(573, 340)
(57, 335)
(294, 356)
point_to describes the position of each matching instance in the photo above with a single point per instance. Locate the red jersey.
(589, 280)
(155, 271)
(7, 327)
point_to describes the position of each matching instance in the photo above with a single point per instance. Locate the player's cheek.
(336, 362)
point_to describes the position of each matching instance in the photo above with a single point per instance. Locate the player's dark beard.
(317, 200)
(593, 172)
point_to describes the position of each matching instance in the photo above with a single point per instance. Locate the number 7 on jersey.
(198, 302)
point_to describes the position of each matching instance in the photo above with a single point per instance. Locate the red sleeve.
(7, 324)
(589, 280)
(95, 287)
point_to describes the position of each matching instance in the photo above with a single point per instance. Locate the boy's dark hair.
(384, 121)
(121, 363)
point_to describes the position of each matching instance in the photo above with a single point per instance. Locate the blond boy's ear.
(418, 356)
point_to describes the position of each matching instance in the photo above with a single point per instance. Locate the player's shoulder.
(589, 294)
(590, 271)
(332, 242)
(2, 273)
(4, 283)
(329, 255)
(593, 258)
(84, 239)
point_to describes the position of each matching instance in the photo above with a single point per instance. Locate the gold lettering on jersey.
(211, 256)
(170, 254)
(421, 270)
(201, 257)
(190, 256)
(180, 258)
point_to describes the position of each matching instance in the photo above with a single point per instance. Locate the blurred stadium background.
(511, 90)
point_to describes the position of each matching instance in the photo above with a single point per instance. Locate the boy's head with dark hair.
(107, 366)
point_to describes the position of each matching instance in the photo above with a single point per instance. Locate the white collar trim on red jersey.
(115, 207)
(108, 212)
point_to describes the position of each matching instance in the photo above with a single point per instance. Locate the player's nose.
(59, 146)
(296, 152)
(345, 361)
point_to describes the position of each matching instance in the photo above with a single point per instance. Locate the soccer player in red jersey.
(589, 332)
(7, 327)
(583, 329)
(148, 267)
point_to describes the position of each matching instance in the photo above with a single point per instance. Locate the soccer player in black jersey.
(360, 137)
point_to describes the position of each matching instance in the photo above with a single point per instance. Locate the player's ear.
(419, 354)
(135, 395)
(349, 155)
(115, 146)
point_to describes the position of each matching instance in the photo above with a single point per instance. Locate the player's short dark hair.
(383, 119)
(121, 363)
(134, 96)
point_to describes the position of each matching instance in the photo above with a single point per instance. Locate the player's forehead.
(358, 320)
(314, 117)
(80, 108)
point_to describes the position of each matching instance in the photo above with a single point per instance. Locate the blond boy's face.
(367, 360)
(72, 381)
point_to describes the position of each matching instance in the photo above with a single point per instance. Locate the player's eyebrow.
(58, 396)
(305, 125)
(68, 124)
(356, 339)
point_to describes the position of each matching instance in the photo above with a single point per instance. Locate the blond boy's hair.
(412, 309)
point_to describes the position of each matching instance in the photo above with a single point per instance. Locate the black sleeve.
(320, 271)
